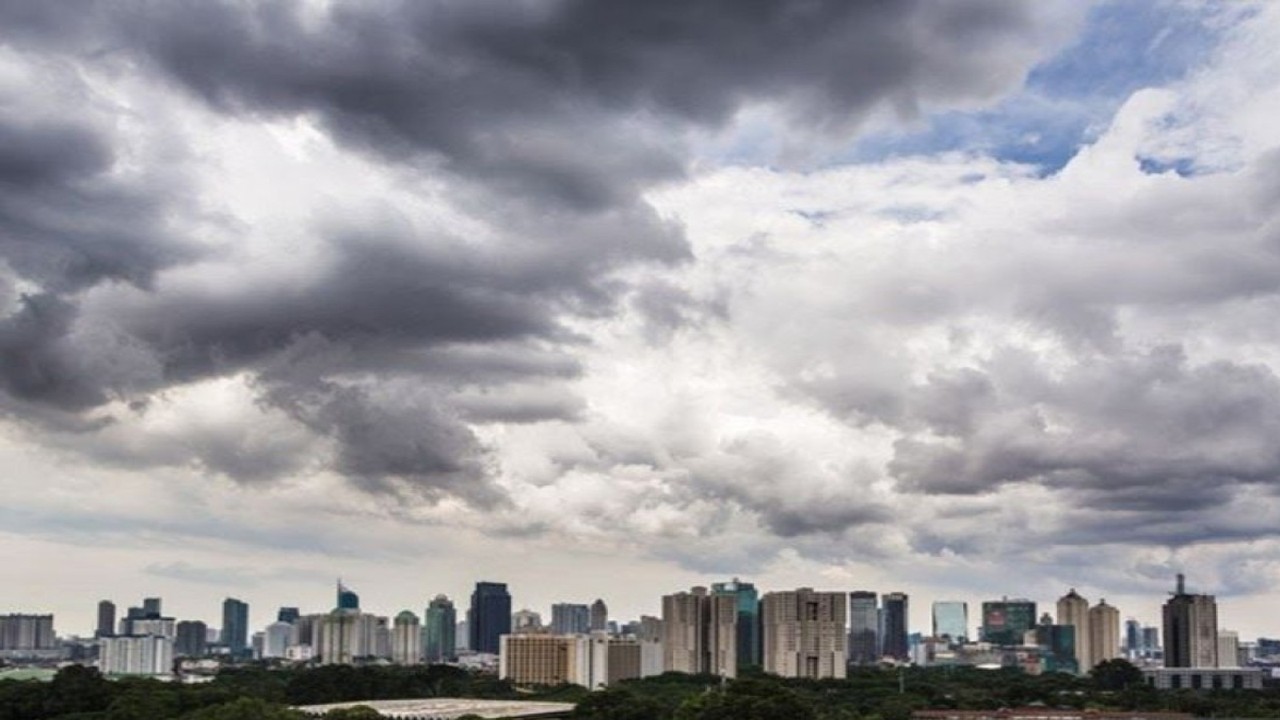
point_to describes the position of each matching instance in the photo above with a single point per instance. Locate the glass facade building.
(1006, 622)
(748, 600)
(951, 620)
(489, 617)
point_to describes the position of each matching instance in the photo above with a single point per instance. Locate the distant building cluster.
(722, 629)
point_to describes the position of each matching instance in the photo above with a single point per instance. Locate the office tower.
(700, 633)
(1104, 634)
(804, 633)
(748, 619)
(1190, 629)
(276, 639)
(1006, 622)
(406, 640)
(951, 621)
(894, 641)
(21, 633)
(570, 619)
(599, 616)
(341, 637)
(463, 635)
(151, 607)
(235, 626)
(650, 628)
(489, 616)
(1073, 610)
(191, 640)
(288, 615)
(439, 643)
(1228, 649)
(1132, 638)
(864, 628)
(347, 598)
(526, 621)
(135, 655)
(106, 619)
(1058, 646)
(1150, 640)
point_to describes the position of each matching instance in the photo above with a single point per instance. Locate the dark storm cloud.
(547, 121)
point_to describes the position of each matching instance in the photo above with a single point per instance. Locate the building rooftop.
(450, 708)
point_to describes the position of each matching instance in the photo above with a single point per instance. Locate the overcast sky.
(605, 299)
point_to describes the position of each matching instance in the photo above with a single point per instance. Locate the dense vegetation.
(259, 693)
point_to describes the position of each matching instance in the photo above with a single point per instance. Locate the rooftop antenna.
(1182, 584)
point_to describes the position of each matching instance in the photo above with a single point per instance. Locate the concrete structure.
(344, 636)
(895, 616)
(700, 633)
(1104, 634)
(1190, 629)
(599, 616)
(135, 655)
(191, 639)
(570, 619)
(489, 616)
(526, 621)
(804, 634)
(749, 650)
(1074, 610)
(106, 619)
(864, 628)
(406, 639)
(27, 635)
(951, 621)
(1228, 649)
(440, 631)
(276, 639)
(1204, 678)
(451, 708)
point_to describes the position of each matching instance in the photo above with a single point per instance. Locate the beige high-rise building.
(1073, 610)
(804, 633)
(1104, 634)
(592, 661)
(1190, 629)
(406, 639)
(1228, 649)
(700, 633)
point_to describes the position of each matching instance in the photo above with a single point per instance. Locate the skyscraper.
(235, 626)
(151, 607)
(1132, 637)
(106, 619)
(570, 619)
(1104, 634)
(1228, 649)
(864, 628)
(489, 616)
(748, 620)
(406, 639)
(440, 628)
(288, 614)
(1073, 610)
(1058, 645)
(699, 633)
(804, 633)
(599, 616)
(347, 598)
(1006, 622)
(191, 639)
(894, 644)
(951, 620)
(1190, 629)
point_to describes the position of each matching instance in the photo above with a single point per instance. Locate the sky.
(961, 299)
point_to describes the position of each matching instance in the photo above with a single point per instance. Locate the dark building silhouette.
(1006, 622)
(151, 607)
(106, 619)
(1190, 629)
(439, 630)
(895, 644)
(599, 616)
(489, 616)
(570, 619)
(288, 614)
(191, 640)
(235, 626)
(347, 598)
(864, 628)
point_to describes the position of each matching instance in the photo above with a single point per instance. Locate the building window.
(1197, 681)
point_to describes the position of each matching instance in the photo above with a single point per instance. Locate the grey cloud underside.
(547, 120)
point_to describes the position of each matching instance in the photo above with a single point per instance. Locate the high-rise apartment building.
(135, 655)
(1006, 622)
(1190, 629)
(599, 616)
(748, 601)
(592, 661)
(1104, 634)
(804, 634)
(1073, 610)
(191, 640)
(489, 616)
(864, 628)
(106, 619)
(700, 633)
(439, 630)
(895, 614)
(406, 639)
(235, 626)
(20, 634)
(570, 619)
(951, 621)
(1228, 649)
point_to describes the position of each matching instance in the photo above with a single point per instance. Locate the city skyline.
(960, 302)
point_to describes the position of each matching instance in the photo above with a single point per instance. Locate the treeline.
(891, 694)
(246, 693)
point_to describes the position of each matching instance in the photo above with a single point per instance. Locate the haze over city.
(609, 300)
